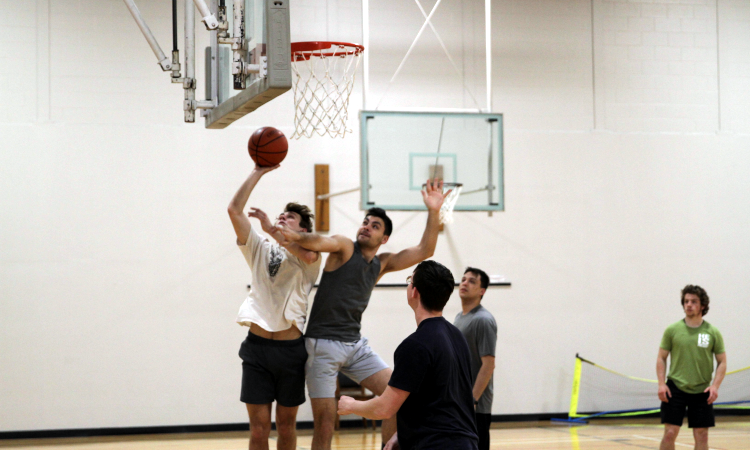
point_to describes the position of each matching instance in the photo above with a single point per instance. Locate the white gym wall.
(626, 162)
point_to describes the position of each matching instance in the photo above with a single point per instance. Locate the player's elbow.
(311, 257)
(384, 412)
(427, 252)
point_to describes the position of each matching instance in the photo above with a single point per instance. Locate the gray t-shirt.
(480, 330)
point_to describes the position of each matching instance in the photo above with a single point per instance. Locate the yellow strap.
(623, 375)
(738, 370)
(576, 386)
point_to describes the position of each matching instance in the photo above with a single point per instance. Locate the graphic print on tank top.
(275, 261)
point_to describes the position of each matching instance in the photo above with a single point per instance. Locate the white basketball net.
(323, 81)
(446, 211)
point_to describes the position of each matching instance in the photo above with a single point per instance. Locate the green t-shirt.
(692, 350)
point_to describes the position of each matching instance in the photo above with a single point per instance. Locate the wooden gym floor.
(731, 433)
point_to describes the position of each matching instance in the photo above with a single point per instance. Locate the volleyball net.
(602, 392)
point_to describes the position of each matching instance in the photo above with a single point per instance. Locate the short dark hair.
(305, 215)
(435, 284)
(700, 292)
(484, 280)
(380, 212)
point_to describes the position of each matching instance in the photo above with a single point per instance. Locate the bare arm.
(307, 256)
(316, 242)
(433, 198)
(661, 375)
(721, 370)
(382, 407)
(236, 207)
(483, 376)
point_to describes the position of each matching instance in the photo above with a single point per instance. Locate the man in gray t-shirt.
(480, 330)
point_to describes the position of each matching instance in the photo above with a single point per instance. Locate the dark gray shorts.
(273, 370)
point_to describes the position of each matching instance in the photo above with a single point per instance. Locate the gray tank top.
(341, 299)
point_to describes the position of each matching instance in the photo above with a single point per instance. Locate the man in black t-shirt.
(431, 384)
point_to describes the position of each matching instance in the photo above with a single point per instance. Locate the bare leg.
(260, 425)
(701, 438)
(377, 383)
(670, 435)
(286, 427)
(324, 419)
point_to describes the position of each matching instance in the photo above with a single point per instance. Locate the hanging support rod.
(164, 62)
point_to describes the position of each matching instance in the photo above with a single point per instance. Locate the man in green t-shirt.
(693, 343)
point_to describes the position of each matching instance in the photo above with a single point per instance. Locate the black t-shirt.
(433, 365)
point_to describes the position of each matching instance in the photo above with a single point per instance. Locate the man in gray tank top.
(332, 336)
(480, 330)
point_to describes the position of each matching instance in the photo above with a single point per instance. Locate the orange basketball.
(267, 146)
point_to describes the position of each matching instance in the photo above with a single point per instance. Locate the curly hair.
(700, 292)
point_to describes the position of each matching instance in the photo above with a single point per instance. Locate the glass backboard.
(401, 150)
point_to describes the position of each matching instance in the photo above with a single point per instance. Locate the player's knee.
(286, 430)
(324, 427)
(286, 425)
(260, 430)
(670, 434)
(700, 434)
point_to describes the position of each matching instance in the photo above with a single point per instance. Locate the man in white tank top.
(273, 355)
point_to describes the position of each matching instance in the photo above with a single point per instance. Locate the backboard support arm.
(164, 62)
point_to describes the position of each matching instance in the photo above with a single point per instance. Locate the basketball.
(267, 146)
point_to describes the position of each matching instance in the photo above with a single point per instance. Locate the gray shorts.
(325, 358)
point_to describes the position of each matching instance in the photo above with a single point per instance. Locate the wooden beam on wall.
(322, 207)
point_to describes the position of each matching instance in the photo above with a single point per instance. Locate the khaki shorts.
(325, 358)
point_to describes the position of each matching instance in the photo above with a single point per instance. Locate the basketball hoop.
(446, 211)
(323, 80)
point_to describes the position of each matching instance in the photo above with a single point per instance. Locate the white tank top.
(280, 285)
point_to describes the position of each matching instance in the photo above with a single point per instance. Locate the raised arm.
(721, 370)
(661, 375)
(382, 407)
(433, 198)
(316, 242)
(236, 207)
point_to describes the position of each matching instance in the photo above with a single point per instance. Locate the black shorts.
(273, 370)
(700, 413)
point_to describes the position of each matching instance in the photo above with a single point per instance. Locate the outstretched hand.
(265, 169)
(433, 195)
(288, 234)
(267, 225)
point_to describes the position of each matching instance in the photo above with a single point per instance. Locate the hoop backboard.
(401, 150)
(267, 34)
